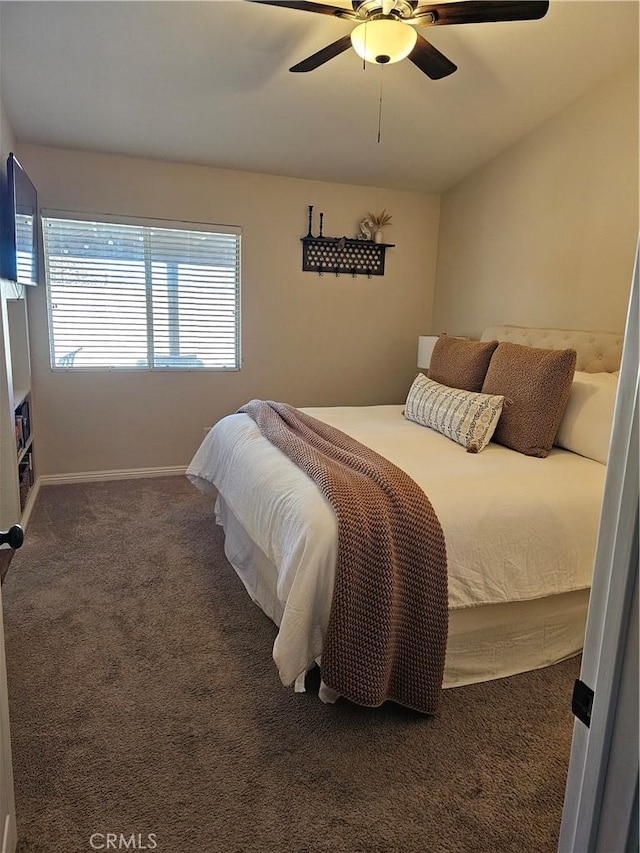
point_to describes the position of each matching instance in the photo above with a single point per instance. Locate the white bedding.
(516, 527)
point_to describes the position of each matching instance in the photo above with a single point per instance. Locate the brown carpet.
(144, 700)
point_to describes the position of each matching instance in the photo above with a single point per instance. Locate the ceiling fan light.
(383, 40)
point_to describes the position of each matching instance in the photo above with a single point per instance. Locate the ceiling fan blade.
(430, 61)
(479, 12)
(324, 55)
(304, 6)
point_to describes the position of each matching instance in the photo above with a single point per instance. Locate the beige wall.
(545, 234)
(7, 140)
(306, 340)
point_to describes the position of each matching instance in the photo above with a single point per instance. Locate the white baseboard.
(97, 476)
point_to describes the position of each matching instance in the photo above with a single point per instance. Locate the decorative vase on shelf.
(378, 222)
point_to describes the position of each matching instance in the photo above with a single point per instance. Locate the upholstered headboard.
(597, 352)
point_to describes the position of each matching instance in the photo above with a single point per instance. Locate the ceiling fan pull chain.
(364, 61)
(380, 104)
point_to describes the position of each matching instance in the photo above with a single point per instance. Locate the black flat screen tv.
(20, 260)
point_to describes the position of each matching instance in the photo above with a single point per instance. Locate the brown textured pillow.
(536, 385)
(459, 363)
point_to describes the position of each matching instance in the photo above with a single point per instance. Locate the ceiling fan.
(385, 28)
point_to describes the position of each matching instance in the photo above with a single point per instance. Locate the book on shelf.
(23, 485)
(26, 420)
(19, 432)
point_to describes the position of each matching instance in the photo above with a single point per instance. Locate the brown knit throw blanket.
(387, 630)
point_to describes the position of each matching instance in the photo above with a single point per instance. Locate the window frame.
(145, 222)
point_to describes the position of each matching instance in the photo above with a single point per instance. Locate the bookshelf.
(24, 447)
(17, 450)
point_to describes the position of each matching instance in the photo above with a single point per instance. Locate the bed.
(520, 531)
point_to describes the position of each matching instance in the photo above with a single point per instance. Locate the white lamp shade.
(426, 344)
(383, 41)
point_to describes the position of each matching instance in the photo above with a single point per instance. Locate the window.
(142, 295)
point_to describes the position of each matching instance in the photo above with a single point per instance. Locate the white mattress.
(517, 528)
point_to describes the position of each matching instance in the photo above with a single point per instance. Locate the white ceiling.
(208, 83)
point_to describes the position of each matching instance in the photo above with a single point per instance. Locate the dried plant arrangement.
(379, 220)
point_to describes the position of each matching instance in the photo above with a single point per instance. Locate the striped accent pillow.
(464, 416)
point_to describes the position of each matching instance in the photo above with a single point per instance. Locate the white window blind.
(24, 247)
(142, 295)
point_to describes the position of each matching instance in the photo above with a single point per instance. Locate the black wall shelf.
(343, 255)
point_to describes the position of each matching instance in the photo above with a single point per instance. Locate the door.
(601, 803)
(7, 802)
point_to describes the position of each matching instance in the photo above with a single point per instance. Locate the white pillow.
(586, 425)
(464, 416)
